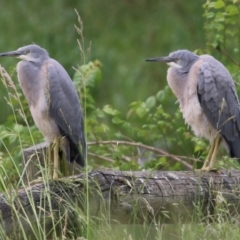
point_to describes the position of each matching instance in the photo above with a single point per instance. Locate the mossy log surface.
(124, 196)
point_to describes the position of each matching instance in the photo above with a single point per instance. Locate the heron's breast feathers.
(185, 89)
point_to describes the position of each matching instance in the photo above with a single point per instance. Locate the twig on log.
(150, 148)
(101, 157)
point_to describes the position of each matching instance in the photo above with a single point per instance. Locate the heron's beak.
(161, 59)
(12, 54)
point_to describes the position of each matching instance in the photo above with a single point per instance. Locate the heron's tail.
(234, 147)
(74, 151)
(77, 154)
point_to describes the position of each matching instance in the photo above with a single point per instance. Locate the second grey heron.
(208, 100)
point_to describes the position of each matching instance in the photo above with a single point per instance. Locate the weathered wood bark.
(35, 163)
(126, 197)
(34, 157)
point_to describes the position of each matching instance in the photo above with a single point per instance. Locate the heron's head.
(182, 59)
(31, 53)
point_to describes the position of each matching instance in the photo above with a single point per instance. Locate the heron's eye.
(27, 51)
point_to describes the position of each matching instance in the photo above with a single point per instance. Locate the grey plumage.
(53, 100)
(66, 111)
(219, 100)
(207, 96)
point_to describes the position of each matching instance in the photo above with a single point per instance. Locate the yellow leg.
(64, 165)
(52, 162)
(56, 158)
(215, 151)
(56, 164)
(209, 156)
(212, 155)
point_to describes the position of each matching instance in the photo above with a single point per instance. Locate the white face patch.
(25, 57)
(22, 57)
(173, 64)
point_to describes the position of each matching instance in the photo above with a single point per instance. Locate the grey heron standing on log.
(53, 102)
(208, 100)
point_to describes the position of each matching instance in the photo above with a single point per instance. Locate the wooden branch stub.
(33, 158)
(34, 163)
(127, 197)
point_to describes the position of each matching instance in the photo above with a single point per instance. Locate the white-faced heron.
(208, 100)
(53, 102)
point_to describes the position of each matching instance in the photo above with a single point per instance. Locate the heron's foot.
(55, 174)
(207, 169)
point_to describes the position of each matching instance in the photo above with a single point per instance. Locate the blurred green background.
(128, 100)
(122, 35)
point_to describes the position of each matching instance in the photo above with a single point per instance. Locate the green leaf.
(160, 95)
(211, 4)
(219, 26)
(210, 15)
(220, 17)
(18, 128)
(232, 10)
(150, 102)
(198, 148)
(141, 111)
(89, 74)
(219, 4)
(117, 120)
(109, 110)
(99, 113)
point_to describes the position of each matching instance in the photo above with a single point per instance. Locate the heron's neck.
(177, 83)
(29, 81)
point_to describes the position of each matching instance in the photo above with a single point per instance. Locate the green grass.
(73, 222)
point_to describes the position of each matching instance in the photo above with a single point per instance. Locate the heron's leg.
(209, 156)
(212, 155)
(56, 158)
(64, 166)
(215, 151)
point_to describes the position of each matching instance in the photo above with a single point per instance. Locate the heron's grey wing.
(65, 106)
(219, 101)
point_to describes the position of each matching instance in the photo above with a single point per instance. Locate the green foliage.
(222, 24)
(140, 138)
(91, 74)
(143, 134)
(223, 31)
(131, 32)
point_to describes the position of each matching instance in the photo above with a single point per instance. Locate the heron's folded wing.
(218, 99)
(65, 106)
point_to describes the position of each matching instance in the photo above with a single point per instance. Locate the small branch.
(190, 158)
(101, 157)
(228, 56)
(134, 144)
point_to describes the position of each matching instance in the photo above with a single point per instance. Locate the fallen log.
(125, 197)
